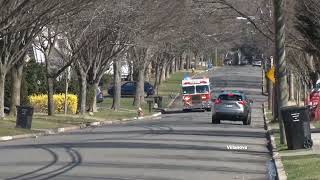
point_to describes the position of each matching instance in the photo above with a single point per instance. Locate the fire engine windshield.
(188, 90)
(202, 89)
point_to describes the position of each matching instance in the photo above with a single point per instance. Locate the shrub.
(40, 103)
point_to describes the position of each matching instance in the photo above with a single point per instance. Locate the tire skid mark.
(40, 174)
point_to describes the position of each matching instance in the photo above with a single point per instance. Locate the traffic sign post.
(270, 74)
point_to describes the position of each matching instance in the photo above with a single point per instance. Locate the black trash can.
(24, 117)
(297, 126)
(150, 103)
(158, 100)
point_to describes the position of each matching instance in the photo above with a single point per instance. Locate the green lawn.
(297, 167)
(317, 124)
(269, 116)
(280, 147)
(168, 90)
(302, 167)
(127, 110)
(40, 122)
(171, 87)
(8, 128)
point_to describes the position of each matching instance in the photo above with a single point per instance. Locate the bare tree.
(20, 23)
(16, 77)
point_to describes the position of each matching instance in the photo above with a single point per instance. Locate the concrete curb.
(281, 174)
(72, 128)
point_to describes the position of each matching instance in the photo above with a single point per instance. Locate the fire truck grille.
(196, 99)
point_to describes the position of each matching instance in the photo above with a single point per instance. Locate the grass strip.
(303, 167)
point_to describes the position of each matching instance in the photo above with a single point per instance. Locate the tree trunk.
(66, 93)
(139, 97)
(148, 73)
(187, 63)
(299, 92)
(190, 61)
(156, 82)
(94, 105)
(171, 67)
(80, 90)
(196, 61)
(181, 63)
(2, 82)
(130, 78)
(168, 69)
(50, 85)
(91, 96)
(291, 87)
(83, 93)
(163, 73)
(175, 64)
(116, 85)
(16, 77)
(305, 92)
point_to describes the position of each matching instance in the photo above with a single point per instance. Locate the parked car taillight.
(217, 101)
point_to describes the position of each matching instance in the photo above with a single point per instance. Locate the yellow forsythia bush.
(40, 102)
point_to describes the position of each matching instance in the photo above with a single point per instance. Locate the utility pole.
(281, 79)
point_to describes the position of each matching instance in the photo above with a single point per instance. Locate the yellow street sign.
(270, 74)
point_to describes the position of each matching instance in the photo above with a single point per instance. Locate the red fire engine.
(196, 94)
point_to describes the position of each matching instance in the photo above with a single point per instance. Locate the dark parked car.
(129, 89)
(6, 110)
(232, 105)
(228, 62)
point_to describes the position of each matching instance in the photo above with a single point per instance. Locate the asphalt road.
(181, 146)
